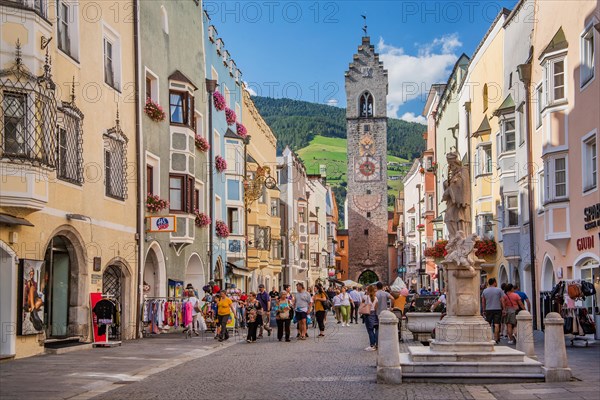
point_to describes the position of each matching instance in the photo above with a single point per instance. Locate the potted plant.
(219, 101)
(422, 170)
(221, 229)
(201, 144)
(421, 227)
(154, 111)
(220, 164)
(202, 219)
(230, 116)
(155, 204)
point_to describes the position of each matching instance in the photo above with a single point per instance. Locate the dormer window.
(366, 105)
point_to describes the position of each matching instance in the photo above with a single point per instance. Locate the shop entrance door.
(59, 265)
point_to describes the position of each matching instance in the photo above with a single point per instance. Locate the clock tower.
(366, 118)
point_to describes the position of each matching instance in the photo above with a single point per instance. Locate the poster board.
(33, 280)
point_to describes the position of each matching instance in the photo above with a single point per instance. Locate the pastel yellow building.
(265, 247)
(477, 139)
(68, 176)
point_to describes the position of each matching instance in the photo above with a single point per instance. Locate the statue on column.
(457, 194)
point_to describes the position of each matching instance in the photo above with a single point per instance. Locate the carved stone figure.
(457, 194)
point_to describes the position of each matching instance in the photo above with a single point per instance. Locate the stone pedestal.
(388, 355)
(525, 334)
(463, 350)
(556, 365)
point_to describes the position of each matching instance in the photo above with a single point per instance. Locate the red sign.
(586, 243)
(95, 298)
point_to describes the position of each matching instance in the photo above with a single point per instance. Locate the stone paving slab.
(336, 367)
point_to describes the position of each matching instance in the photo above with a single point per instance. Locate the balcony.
(28, 123)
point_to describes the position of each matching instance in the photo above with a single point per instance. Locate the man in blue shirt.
(265, 301)
(523, 297)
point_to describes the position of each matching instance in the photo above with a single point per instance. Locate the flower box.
(438, 250)
(155, 204)
(421, 227)
(202, 219)
(241, 130)
(221, 229)
(230, 116)
(485, 247)
(219, 101)
(201, 144)
(220, 164)
(154, 111)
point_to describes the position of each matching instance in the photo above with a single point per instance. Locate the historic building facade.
(68, 173)
(264, 208)
(174, 169)
(366, 91)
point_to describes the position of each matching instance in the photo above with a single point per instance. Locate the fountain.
(463, 349)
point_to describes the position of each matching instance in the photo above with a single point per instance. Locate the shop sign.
(96, 278)
(592, 217)
(163, 223)
(586, 243)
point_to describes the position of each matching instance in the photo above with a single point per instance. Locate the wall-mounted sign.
(97, 264)
(592, 217)
(163, 223)
(586, 243)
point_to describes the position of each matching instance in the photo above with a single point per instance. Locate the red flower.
(230, 116)
(219, 101)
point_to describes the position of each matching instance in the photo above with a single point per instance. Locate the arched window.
(485, 97)
(366, 105)
(165, 19)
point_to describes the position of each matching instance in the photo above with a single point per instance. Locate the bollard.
(556, 365)
(388, 355)
(525, 334)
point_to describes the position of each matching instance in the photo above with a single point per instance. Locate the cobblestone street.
(336, 367)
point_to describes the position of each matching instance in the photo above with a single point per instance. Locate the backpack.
(574, 291)
(587, 288)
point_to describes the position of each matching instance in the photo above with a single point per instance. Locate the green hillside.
(296, 123)
(317, 132)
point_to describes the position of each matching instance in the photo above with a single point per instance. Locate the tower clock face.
(368, 202)
(367, 169)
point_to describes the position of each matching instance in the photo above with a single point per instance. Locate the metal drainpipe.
(525, 77)
(211, 85)
(138, 151)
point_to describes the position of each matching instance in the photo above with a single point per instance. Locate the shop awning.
(6, 219)
(238, 270)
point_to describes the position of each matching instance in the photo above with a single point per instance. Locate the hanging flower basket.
(220, 164)
(438, 250)
(422, 170)
(421, 227)
(485, 247)
(230, 116)
(154, 111)
(221, 229)
(202, 219)
(201, 144)
(433, 167)
(219, 101)
(241, 130)
(155, 204)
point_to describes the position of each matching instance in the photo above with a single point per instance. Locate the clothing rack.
(107, 343)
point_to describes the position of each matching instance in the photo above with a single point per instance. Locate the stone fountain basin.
(422, 324)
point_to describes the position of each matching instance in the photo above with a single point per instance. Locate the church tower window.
(366, 105)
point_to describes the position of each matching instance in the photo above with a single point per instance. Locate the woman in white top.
(337, 304)
(345, 306)
(191, 298)
(371, 320)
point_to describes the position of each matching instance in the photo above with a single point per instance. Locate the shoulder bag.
(364, 308)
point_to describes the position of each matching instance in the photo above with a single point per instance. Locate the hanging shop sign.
(592, 217)
(163, 223)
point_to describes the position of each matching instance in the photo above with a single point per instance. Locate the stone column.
(556, 365)
(525, 334)
(388, 356)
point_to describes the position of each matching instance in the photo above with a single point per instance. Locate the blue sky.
(301, 49)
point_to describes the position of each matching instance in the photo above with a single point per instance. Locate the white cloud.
(332, 102)
(411, 76)
(411, 117)
(249, 89)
